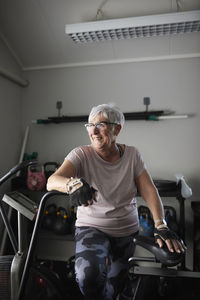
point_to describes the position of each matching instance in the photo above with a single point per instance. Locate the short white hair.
(109, 111)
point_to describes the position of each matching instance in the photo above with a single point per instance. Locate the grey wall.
(10, 118)
(10, 113)
(168, 147)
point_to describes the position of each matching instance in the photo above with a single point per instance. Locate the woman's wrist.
(160, 223)
(68, 181)
(73, 184)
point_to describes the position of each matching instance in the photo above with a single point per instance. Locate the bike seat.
(162, 255)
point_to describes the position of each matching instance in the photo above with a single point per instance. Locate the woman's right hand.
(80, 192)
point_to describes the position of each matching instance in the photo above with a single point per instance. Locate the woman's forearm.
(57, 182)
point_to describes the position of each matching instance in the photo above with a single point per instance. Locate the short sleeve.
(76, 157)
(139, 164)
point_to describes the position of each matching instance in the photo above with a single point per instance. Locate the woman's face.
(102, 136)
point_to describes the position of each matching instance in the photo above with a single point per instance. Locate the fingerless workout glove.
(165, 233)
(79, 192)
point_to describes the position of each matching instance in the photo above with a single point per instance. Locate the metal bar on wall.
(14, 78)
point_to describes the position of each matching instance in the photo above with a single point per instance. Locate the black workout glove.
(165, 233)
(79, 192)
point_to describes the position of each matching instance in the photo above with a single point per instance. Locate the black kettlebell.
(72, 220)
(49, 216)
(61, 224)
(170, 217)
(50, 168)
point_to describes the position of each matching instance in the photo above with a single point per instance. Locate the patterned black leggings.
(101, 263)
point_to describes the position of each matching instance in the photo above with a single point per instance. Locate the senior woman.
(102, 179)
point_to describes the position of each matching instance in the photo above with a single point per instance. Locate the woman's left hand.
(172, 240)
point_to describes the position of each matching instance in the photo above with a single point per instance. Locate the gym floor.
(170, 289)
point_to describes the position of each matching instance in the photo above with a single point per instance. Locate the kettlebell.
(72, 220)
(61, 224)
(36, 180)
(145, 220)
(170, 217)
(49, 217)
(50, 168)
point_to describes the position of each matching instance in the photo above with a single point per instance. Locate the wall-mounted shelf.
(146, 115)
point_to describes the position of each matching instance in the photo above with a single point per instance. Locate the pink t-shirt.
(115, 209)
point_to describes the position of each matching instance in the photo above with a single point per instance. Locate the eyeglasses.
(100, 125)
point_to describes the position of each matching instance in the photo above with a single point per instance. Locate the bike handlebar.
(162, 255)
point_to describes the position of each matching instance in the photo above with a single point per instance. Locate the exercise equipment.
(137, 271)
(151, 115)
(170, 218)
(146, 221)
(50, 168)
(156, 269)
(12, 266)
(49, 217)
(169, 188)
(61, 223)
(31, 264)
(28, 278)
(163, 275)
(196, 212)
(36, 180)
(72, 220)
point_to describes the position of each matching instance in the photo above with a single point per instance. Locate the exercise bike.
(23, 267)
(167, 265)
(159, 275)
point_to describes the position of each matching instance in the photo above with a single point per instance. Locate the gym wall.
(10, 114)
(10, 121)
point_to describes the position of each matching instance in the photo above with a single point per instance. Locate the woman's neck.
(110, 154)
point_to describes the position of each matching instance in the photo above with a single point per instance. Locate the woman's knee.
(90, 273)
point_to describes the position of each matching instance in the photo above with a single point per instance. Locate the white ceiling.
(34, 30)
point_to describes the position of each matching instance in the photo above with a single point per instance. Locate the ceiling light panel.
(127, 28)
